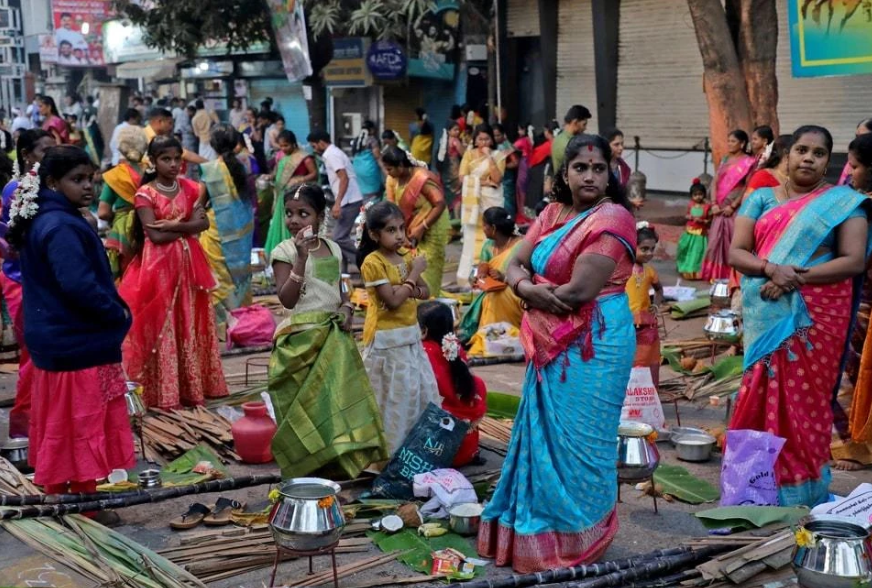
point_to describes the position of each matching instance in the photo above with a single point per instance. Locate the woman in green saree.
(295, 169)
(328, 419)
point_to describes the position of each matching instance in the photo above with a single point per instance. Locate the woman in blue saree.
(554, 505)
(800, 249)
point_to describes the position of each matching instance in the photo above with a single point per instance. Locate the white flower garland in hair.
(642, 225)
(767, 153)
(16, 171)
(450, 347)
(443, 146)
(415, 162)
(23, 205)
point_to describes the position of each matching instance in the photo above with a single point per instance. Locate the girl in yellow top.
(642, 280)
(394, 357)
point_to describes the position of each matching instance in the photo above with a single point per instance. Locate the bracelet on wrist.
(517, 286)
(296, 278)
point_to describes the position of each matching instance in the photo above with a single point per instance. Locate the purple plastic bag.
(748, 469)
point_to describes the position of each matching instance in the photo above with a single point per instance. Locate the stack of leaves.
(90, 549)
(681, 484)
(169, 434)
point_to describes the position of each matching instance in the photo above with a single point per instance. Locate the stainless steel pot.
(720, 294)
(307, 516)
(15, 451)
(150, 479)
(832, 552)
(695, 447)
(133, 399)
(676, 433)
(723, 325)
(637, 456)
(465, 518)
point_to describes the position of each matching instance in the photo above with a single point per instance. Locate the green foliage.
(184, 26)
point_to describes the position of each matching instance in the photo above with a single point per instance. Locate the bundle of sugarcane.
(214, 556)
(499, 429)
(574, 573)
(650, 569)
(104, 501)
(169, 434)
(87, 548)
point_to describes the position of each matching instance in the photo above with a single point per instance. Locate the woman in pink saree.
(800, 249)
(726, 193)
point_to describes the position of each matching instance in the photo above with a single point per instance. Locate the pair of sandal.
(216, 515)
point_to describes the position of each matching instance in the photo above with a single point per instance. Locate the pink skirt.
(79, 428)
(19, 416)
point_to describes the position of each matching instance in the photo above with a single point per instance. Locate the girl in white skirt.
(394, 356)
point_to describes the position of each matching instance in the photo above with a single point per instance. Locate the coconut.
(391, 524)
(410, 515)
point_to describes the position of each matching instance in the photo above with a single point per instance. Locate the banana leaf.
(728, 367)
(750, 517)
(691, 308)
(420, 558)
(678, 482)
(502, 406)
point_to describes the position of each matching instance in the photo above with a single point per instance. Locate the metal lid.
(16, 443)
(634, 429)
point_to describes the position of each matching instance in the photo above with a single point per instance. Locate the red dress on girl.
(172, 349)
(453, 404)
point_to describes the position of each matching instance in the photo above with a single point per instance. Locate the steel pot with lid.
(307, 515)
(638, 457)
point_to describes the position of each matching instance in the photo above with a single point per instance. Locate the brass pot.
(307, 515)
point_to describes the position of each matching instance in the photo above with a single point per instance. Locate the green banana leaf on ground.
(419, 550)
(502, 406)
(741, 518)
(690, 308)
(179, 471)
(721, 370)
(684, 486)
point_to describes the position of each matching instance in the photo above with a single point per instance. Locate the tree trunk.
(757, 44)
(724, 82)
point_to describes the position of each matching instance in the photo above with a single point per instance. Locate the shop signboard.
(348, 66)
(289, 26)
(830, 38)
(433, 43)
(386, 61)
(78, 31)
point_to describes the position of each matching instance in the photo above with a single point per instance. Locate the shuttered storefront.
(522, 18)
(576, 70)
(400, 103)
(660, 75)
(837, 103)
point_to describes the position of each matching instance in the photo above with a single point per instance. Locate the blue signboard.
(386, 61)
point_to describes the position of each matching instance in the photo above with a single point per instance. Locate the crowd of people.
(130, 271)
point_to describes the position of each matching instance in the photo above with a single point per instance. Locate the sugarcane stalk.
(64, 504)
(649, 569)
(574, 573)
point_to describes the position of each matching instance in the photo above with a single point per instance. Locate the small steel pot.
(133, 399)
(695, 447)
(461, 519)
(720, 294)
(723, 325)
(15, 451)
(307, 516)
(149, 479)
(637, 456)
(834, 553)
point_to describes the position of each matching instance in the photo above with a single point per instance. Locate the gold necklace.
(316, 248)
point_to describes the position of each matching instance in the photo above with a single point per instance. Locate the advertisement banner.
(348, 66)
(433, 43)
(78, 32)
(289, 26)
(829, 38)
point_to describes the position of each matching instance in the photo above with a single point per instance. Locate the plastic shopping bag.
(748, 469)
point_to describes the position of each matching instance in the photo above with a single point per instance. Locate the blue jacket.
(73, 316)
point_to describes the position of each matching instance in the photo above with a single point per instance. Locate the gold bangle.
(296, 278)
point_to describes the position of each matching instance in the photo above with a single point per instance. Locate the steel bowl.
(723, 325)
(835, 553)
(720, 293)
(677, 432)
(638, 457)
(149, 479)
(15, 451)
(307, 516)
(695, 447)
(465, 518)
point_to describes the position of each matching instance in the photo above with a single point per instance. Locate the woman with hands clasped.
(172, 349)
(799, 248)
(555, 503)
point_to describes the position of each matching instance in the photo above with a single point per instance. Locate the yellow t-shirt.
(377, 270)
(638, 285)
